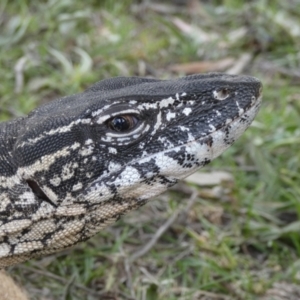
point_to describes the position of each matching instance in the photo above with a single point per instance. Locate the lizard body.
(75, 165)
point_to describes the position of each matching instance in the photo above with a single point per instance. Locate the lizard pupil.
(122, 123)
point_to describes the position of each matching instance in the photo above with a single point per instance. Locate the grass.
(234, 246)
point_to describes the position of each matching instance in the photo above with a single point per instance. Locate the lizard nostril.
(221, 94)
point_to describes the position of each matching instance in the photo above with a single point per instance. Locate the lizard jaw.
(131, 184)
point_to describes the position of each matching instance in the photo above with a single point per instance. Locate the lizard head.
(83, 161)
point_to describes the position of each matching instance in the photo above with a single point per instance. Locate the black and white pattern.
(75, 165)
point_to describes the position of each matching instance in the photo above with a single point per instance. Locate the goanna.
(77, 164)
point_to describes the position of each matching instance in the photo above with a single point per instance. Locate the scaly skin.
(77, 164)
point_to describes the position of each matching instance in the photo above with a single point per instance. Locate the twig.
(163, 228)
(19, 76)
(60, 279)
(129, 277)
(68, 287)
(240, 65)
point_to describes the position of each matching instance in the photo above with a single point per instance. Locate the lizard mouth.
(232, 130)
(206, 148)
(215, 143)
(135, 180)
(246, 116)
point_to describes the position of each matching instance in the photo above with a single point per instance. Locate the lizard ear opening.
(38, 191)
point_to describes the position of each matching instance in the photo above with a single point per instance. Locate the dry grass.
(231, 241)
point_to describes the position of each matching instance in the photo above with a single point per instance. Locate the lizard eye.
(122, 123)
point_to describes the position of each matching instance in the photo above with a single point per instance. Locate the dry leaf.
(203, 66)
(209, 179)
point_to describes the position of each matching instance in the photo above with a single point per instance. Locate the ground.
(228, 235)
